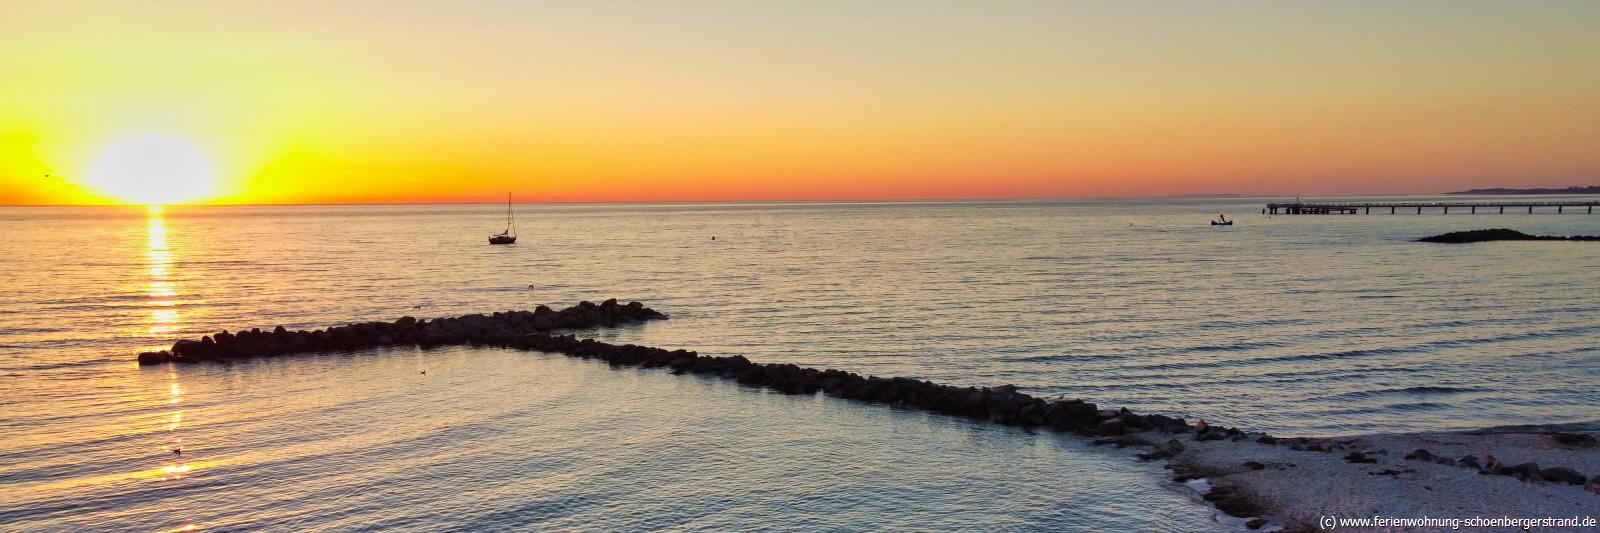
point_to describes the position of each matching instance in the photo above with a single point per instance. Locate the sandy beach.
(1309, 484)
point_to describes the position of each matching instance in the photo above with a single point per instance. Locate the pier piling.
(1306, 208)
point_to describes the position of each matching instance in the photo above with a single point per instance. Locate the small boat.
(1222, 221)
(509, 236)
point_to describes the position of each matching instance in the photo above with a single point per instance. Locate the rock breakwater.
(475, 329)
(532, 330)
(1212, 451)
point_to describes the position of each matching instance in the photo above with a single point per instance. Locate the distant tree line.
(1592, 189)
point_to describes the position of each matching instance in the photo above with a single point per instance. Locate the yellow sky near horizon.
(365, 101)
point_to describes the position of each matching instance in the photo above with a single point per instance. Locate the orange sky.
(366, 101)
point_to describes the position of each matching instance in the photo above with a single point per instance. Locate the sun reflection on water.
(162, 299)
(160, 290)
(164, 327)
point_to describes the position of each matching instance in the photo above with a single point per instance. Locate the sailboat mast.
(510, 226)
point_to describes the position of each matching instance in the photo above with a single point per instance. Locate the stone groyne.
(532, 330)
(540, 330)
(475, 329)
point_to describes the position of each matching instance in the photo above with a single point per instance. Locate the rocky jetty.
(532, 330)
(1232, 459)
(1500, 234)
(475, 329)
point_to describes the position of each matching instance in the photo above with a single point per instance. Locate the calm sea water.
(1309, 325)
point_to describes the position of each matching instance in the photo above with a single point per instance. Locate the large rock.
(870, 389)
(1420, 455)
(1162, 422)
(1079, 409)
(1114, 426)
(1359, 458)
(189, 348)
(1133, 421)
(154, 358)
(737, 363)
(1528, 471)
(1172, 447)
(1561, 475)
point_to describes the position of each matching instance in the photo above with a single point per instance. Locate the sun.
(154, 169)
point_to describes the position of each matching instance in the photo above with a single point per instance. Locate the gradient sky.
(400, 101)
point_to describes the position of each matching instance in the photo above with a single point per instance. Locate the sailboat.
(509, 236)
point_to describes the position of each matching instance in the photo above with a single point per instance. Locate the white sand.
(1298, 488)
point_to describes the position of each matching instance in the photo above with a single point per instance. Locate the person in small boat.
(1222, 218)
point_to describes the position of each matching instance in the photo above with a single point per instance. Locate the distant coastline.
(1592, 189)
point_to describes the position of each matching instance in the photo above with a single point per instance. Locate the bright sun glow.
(153, 169)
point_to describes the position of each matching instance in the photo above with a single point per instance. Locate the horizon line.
(1218, 196)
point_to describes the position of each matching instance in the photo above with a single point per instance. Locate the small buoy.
(424, 371)
(530, 286)
(713, 237)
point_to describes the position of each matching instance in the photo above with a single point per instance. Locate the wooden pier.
(1354, 208)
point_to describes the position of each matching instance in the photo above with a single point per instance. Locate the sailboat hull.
(507, 236)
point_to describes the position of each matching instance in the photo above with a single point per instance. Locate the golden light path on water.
(164, 327)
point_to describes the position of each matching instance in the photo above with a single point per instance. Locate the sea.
(1308, 325)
